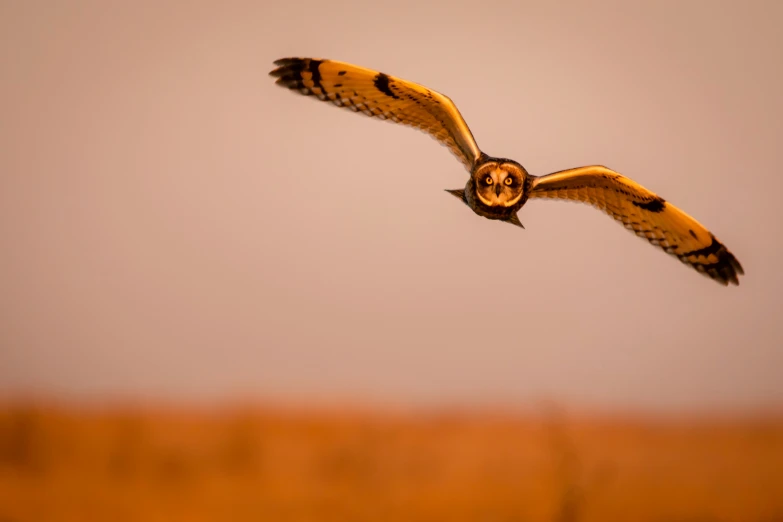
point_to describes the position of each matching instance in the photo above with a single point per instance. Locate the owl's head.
(500, 183)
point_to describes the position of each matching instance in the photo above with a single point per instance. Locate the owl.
(498, 188)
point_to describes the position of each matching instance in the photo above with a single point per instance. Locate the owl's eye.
(488, 180)
(509, 181)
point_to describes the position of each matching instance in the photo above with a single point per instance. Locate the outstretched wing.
(647, 214)
(386, 97)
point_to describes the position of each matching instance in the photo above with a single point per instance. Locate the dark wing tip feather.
(737, 266)
(725, 271)
(288, 67)
(289, 73)
(728, 267)
(290, 81)
(734, 269)
(289, 62)
(280, 62)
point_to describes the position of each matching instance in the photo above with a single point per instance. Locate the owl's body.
(498, 188)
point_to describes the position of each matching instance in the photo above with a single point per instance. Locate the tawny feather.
(646, 214)
(380, 95)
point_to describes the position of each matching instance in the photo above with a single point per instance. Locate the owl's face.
(499, 184)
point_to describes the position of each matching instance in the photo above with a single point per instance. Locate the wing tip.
(280, 62)
(290, 61)
(732, 268)
(289, 73)
(288, 67)
(726, 271)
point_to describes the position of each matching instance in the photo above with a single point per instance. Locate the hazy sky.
(173, 225)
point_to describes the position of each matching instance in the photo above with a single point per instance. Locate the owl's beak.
(498, 189)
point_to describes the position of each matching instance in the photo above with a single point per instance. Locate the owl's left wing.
(646, 214)
(380, 95)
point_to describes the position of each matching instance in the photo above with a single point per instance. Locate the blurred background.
(219, 300)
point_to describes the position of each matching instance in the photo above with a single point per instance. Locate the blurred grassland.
(266, 464)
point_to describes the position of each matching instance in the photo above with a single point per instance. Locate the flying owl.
(498, 187)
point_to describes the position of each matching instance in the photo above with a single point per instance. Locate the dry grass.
(266, 465)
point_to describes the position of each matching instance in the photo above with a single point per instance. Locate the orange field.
(264, 464)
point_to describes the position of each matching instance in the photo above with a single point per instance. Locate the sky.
(173, 226)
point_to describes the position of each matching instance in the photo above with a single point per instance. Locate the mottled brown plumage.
(497, 187)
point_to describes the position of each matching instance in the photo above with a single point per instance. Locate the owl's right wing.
(646, 214)
(380, 95)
